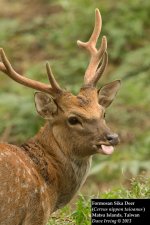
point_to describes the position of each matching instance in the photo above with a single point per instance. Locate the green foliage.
(79, 215)
(139, 188)
(18, 120)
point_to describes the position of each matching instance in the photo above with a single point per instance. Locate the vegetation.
(82, 212)
(33, 32)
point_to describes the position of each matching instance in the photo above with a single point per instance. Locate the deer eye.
(73, 120)
(104, 115)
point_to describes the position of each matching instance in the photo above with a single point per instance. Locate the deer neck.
(44, 151)
(63, 172)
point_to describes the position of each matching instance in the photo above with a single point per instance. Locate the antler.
(94, 72)
(6, 68)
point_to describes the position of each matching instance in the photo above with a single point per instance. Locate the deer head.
(77, 122)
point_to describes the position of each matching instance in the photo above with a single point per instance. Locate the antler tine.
(5, 67)
(101, 69)
(51, 78)
(91, 44)
(90, 78)
(2, 68)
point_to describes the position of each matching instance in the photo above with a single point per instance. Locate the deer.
(43, 174)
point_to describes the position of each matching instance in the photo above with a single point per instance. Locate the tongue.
(107, 149)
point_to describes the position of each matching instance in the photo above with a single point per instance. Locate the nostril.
(113, 138)
(109, 137)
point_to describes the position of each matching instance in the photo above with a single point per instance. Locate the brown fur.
(44, 173)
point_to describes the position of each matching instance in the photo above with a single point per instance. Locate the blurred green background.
(32, 32)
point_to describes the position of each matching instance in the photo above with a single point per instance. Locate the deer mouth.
(105, 149)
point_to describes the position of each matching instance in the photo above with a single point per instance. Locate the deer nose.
(113, 139)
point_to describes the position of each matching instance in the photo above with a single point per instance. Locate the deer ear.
(108, 92)
(45, 105)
